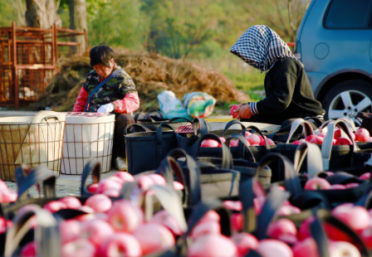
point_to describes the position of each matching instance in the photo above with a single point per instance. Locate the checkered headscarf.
(260, 46)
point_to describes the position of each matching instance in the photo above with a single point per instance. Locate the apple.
(282, 229)
(343, 141)
(86, 209)
(8, 195)
(116, 179)
(210, 143)
(205, 228)
(270, 141)
(337, 187)
(337, 133)
(232, 110)
(286, 210)
(54, 206)
(96, 231)
(70, 230)
(212, 245)
(153, 237)
(79, 247)
(329, 173)
(317, 140)
(29, 250)
(234, 143)
(124, 216)
(3, 185)
(244, 242)
(272, 247)
(157, 179)
(369, 140)
(253, 139)
(71, 202)
(223, 140)
(257, 204)
(112, 192)
(304, 229)
(3, 225)
(99, 203)
(124, 176)
(351, 185)
(145, 182)
(309, 138)
(236, 222)
(92, 188)
(120, 244)
(365, 176)
(164, 218)
(233, 205)
(107, 184)
(342, 249)
(211, 215)
(362, 135)
(305, 248)
(356, 217)
(321, 134)
(178, 186)
(317, 183)
(247, 134)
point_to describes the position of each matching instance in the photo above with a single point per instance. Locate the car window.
(349, 14)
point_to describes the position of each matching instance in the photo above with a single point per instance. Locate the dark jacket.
(288, 92)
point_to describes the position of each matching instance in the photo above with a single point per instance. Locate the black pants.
(121, 121)
(272, 119)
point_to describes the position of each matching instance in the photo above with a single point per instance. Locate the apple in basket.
(210, 143)
(317, 140)
(362, 135)
(306, 248)
(99, 203)
(254, 139)
(284, 230)
(164, 218)
(205, 228)
(343, 141)
(273, 247)
(124, 216)
(317, 183)
(29, 250)
(356, 217)
(244, 242)
(79, 247)
(70, 230)
(96, 231)
(212, 245)
(120, 244)
(71, 202)
(365, 176)
(233, 108)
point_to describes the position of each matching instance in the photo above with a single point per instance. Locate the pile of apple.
(252, 139)
(112, 185)
(361, 135)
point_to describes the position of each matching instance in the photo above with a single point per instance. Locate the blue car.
(334, 42)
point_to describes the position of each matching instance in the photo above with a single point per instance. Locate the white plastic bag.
(171, 106)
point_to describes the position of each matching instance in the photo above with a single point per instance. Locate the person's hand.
(243, 112)
(107, 108)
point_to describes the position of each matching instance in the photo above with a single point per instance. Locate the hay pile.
(152, 73)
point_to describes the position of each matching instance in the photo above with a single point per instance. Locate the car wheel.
(347, 98)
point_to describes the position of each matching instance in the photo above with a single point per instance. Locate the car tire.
(359, 91)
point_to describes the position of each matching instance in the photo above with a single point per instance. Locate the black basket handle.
(92, 167)
(306, 128)
(137, 126)
(258, 131)
(227, 160)
(312, 151)
(145, 115)
(231, 123)
(243, 142)
(203, 126)
(194, 186)
(34, 177)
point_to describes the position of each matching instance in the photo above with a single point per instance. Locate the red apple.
(145, 182)
(223, 140)
(351, 185)
(120, 244)
(233, 205)
(112, 192)
(356, 217)
(54, 206)
(212, 245)
(287, 210)
(282, 229)
(317, 183)
(116, 179)
(232, 110)
(365, 176)
(321, 134)
(362, 135)
(337, 187)
(337, 134)
(96, 231)
(306, 248)
(164, 218)
(92, 188)
(124, 216)
(153, 237)
(178, 186)
(3, 225)
(272, 247)
(304, 229)
(270, 141)
(157, 179)
(210, 216)
(70, 230)
(29, 250)
(107, 184)
(309, 138)
(234, 143)
(86, 209)
(205, 228)
(236, 222)
(71, 202)
(298, 142)
(343, 141)
(99, 203)
(342, 249)
(3, 185)
(317, 140)
(244, 242)
(124, 176)
(210, 143)
(254, 139)
(8, 195)
(247, 134)
(79, 247)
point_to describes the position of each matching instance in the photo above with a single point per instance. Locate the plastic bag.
(171, 106)
(199, 104)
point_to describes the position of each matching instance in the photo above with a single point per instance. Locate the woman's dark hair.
(101, 54)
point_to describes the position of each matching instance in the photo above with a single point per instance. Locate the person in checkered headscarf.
(288, 90)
